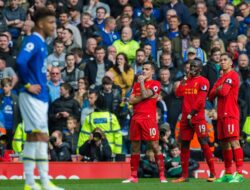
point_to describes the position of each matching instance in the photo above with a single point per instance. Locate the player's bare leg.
(159, 160)
(134, 162)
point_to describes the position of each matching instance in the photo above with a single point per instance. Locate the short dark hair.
(101, 8)
(78, 51)
(6, 81)
(215, 49)
(151, 63)
(69, 54)
(67, 86)
(106, 80)
(69, 30)
(42, 13)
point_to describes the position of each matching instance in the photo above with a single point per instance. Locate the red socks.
(228, 158)
(238, 158)
(160, 163)
(209, 158)
(134, 164)
(185, 154)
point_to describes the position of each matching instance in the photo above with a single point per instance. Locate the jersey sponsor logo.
(229, 81)
(204, 88)
(100, 120)
(29, 47)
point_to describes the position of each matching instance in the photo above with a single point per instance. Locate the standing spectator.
(70, 135)
(123, 73)
(211, 70)
(194, 91)
(126, 44)
(97, 147)
(62, 108)
(15, 17)
(82, 92)
(109, 35)
(7, 72)
(68, 41)
(143, 124)
(107, 122)
(10, 108)
(59, 150)
(138, 62)
(226, 89)
(64, 21)
(70, 73)
(95, 70)
(54, 84)
(57, 58)
(92, 7)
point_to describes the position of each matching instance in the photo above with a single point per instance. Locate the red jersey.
(194, 93)
(147, 106)
(227, 95)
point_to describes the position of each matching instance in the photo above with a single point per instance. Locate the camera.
(97, 136)
(52, 140)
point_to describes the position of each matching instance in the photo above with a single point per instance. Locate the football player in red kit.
(226, 89)
(194, 91)
(143, 124)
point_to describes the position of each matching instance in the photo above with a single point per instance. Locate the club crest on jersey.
(155, 88)
(29, 47)
(229, 81)
(204, 87)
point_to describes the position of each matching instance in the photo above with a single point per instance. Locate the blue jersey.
(31, 64)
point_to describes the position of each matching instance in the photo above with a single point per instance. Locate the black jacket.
(209, 71)
(60, 153)
(96, 153)
(62, 104)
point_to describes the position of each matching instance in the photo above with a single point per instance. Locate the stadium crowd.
(98, 50)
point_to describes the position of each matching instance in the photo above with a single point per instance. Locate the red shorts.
(228, 128)
(187, 132)
(144, 129)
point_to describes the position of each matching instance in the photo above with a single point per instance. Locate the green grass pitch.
(144, 184)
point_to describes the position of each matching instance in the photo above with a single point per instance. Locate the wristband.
(26, 86)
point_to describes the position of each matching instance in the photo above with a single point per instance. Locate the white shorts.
(34, 113)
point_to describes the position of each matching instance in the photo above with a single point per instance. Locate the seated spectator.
(173, 163)
(4, 152)
(67, 39)
(58, 150)
(70, 135)
(62, 108)
(106, 121)
(70, 73)
(244, 17)
(82, 92)
(57, 58)
(100, 18)
(96, 148)
(78, 53)
(75, 16)
(10, 109)
(166, 140)
(123, 73)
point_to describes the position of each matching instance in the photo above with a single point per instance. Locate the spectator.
(70, 136)
(243, 18)
(123, 73)
(4, 152)
(218, 9)
(138, 62)
(173, 30)
(218, 43)
(70, 73)
(112, 95)
(99, 20)
(80, 63)
(68, 41)
(107, 122)
(242, 43)
(95, 70)
(57, 58)
(64, 21)
(15, 17)
(92, 7)
(97, 147)
(75, 16)
(230, 10)
(19, 138)
(6, 52)
(82, 92)
(126, 44)
(111, 54)
(109, 35)
(59, 150)
(10, 109)
(89, 54)
(62, 108)
(243, 66)
(54, 84)
(202, 25)
(92, 96)
(7, 72)
(166, 140)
